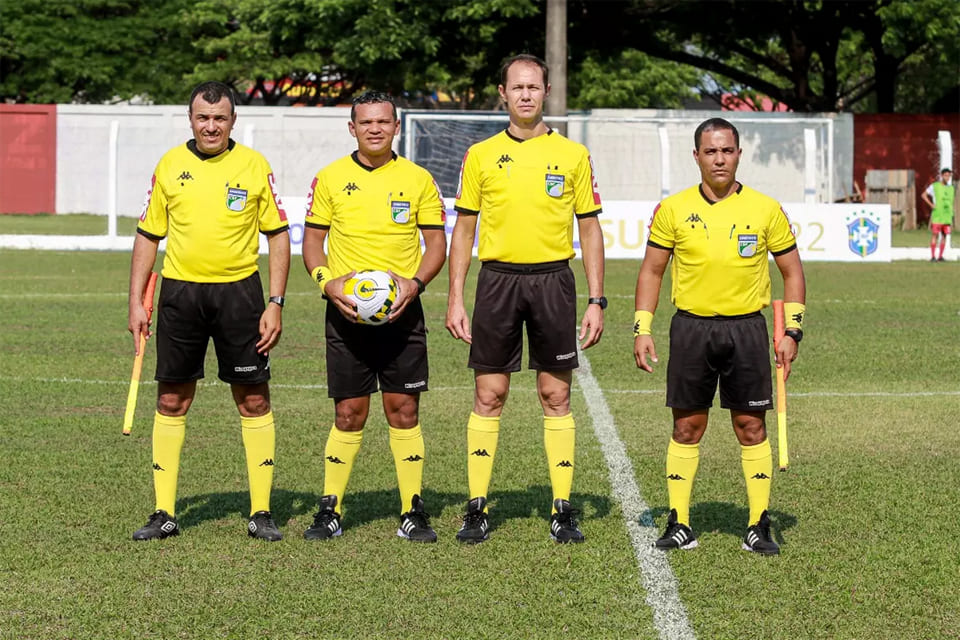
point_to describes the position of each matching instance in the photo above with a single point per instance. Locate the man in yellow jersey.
(211, 198)
(525, 186)
(372, 207)
(719, 233)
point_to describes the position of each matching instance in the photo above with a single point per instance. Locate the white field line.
(212, 382)
(656, 576)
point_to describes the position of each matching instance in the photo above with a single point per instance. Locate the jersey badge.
(747, 244)
(554, 185)
(400, 211)
(236, 198)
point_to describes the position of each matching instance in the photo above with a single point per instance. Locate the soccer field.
(866, 516)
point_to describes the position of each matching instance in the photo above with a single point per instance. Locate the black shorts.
(544, 296)
(732, 349)
(359, 356)
(190, 313)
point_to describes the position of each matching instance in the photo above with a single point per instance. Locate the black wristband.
(421, 287)
(795, 334)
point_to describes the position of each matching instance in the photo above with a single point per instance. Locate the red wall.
(903, 141)
(28, 158)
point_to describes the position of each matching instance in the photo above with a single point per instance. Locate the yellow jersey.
(374, 216)
(527, 193)
(720, 264)
(210, 209)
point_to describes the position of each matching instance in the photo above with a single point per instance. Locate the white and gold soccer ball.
(374, 293)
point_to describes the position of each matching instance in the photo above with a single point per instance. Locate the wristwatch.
(602, 301)
(277, 300)
(795, 334)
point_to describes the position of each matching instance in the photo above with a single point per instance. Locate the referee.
(719, 233)
(210, 198)
(371, 208)
(524, 187)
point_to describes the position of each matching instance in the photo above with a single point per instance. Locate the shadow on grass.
(722, 517)
(367, 506)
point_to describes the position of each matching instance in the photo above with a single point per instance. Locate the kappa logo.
(565, 463)
(267, 463)
(185, 175)
(157, 467)
(351, 187)
(481, 453)
(504, 159)
(675, 476)
(760, 476)
(414, 458)
(797, 317)
(335, 460)
(694, 217)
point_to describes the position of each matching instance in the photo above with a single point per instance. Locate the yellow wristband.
(793, 313)
(642, 321)
(321, 275)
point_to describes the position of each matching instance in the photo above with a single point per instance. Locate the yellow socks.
(259, 439)
(341, 449)
(168, 435)
(482, 435)
(559, 440)
(407, 448)
(757, 463)
(682, 461)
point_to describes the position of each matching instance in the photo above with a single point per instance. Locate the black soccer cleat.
(415, 524)
(262, 526)
(677, 536)
(475, 522)
(758, 539)
(326, 522)
(160, 525)
(563, 523)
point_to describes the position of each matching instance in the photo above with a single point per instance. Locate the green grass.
(865, 515)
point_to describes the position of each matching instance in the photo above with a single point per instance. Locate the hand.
(271, 326)
(643, 347)
(407, 290)
(591, 326)
(786, 353)
(458, 324)
(334, 291)
(138, 324)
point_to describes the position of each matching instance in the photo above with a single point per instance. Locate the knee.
(350, 418)
(254, 405)
(403, 413)
(489, 402)
(555, 402)
(172, 404)
(750, 430)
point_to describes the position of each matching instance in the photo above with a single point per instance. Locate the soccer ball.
(374, 293)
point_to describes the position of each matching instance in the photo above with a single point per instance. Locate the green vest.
(942, 203)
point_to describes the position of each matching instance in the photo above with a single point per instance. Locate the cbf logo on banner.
(863, 234)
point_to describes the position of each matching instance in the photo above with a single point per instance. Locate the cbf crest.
(863, 233)
(400, 211)
(555, 184)
(236, 198)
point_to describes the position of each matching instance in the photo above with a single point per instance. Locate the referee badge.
(554, 185)
(400, 211)
(747, 245)
(236, 198)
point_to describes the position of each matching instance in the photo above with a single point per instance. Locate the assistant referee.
(526, 185)
(211, 198)
(719, 234)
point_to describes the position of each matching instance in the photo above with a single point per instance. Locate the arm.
(925, 196)
(649, 281)
(461, 252)
(434, 254)
(141, 263)
(271, 324)
(591, 248)
(794, 290)
(314, 256)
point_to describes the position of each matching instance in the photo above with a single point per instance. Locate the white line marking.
(656, 576)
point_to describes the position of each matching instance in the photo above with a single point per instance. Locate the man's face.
(945, 177)
(524, 92)
(211, 124)
(718, 158)
(374, 127)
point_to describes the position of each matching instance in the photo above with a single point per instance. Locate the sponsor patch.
(236, 198)
(554, 184)
(400, 211)
(747, 244)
